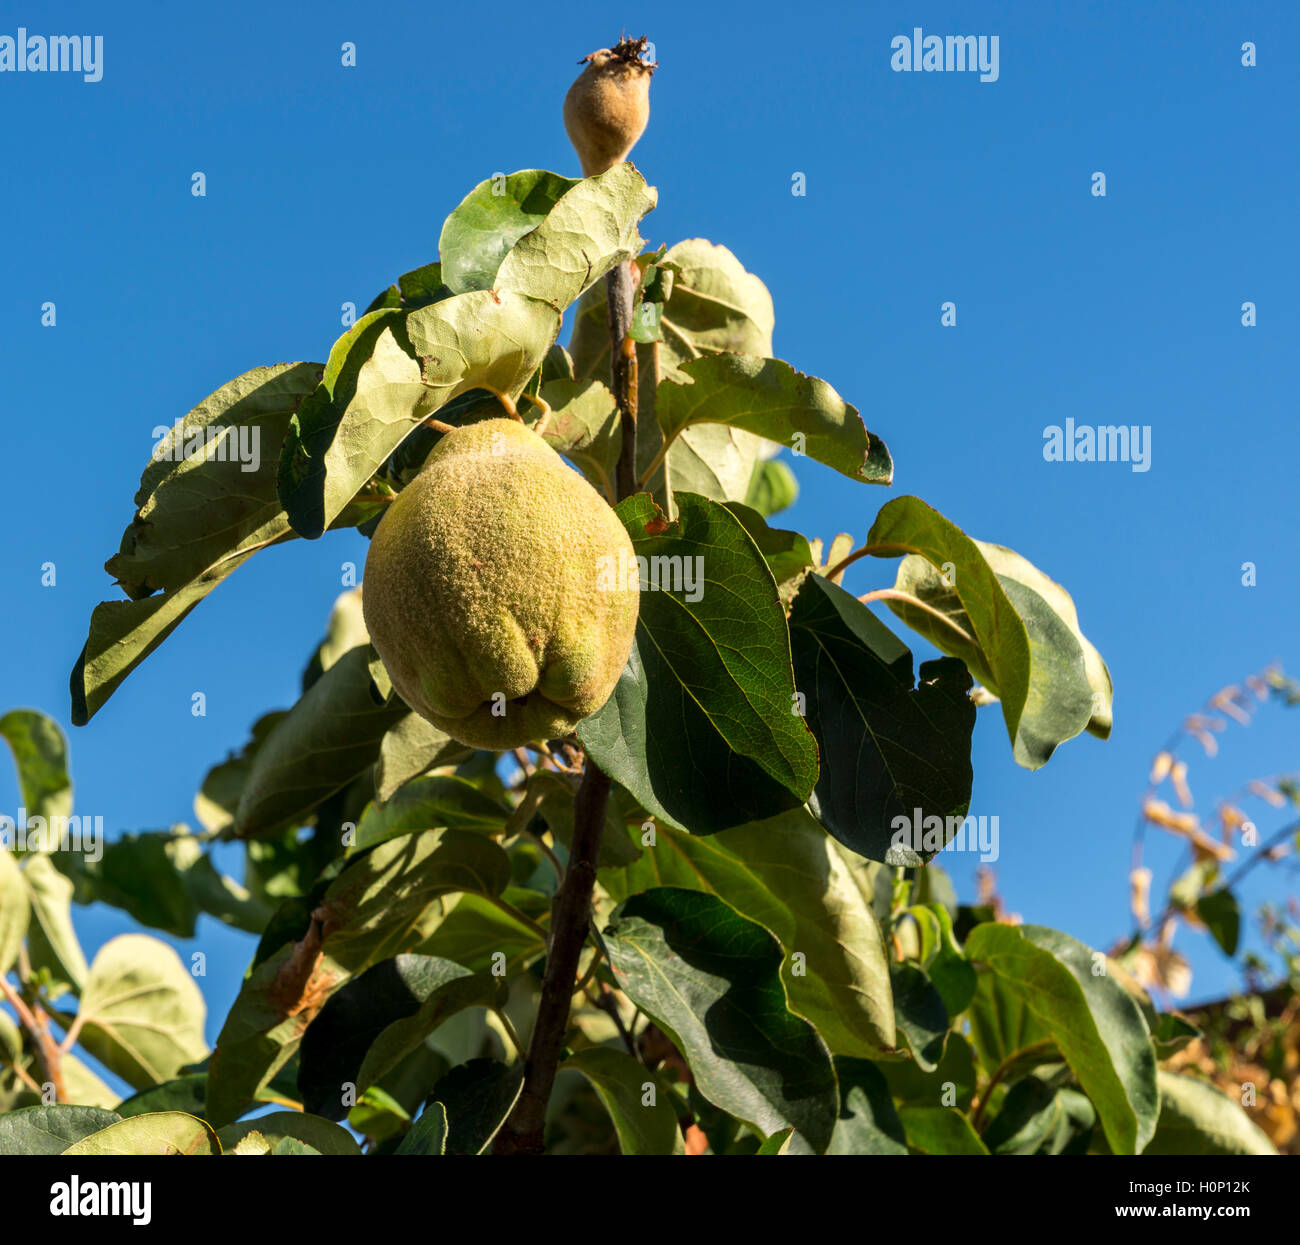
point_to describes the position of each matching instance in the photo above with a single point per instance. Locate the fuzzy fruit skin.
(606, 110)
(497, 570)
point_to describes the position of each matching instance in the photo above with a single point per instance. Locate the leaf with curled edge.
(197, 521)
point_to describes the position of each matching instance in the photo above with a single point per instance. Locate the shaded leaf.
(428, 1135)
(701, 727)
(198, 519)
(52, 1129)
(622, 1085)
(329, 738)
(383, 903)
(784, 874)
(710, 979)
(41, 755)
(1197, 1118)
(267, 1131)
(141, 1014)
(1092, 1019)
(890, 749)
(163, 1132)
(769, 398)
(478, 1096)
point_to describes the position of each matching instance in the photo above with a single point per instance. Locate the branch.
(34, 1022)
(570, 914)
(522, 1133)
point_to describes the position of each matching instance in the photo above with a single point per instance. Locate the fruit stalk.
(523, 1132)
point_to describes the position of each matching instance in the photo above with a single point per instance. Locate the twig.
(522, 1133)
(34, 1022)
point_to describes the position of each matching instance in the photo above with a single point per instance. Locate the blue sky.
(325, 183)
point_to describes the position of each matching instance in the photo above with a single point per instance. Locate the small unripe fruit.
(497, 590)
(607, 108)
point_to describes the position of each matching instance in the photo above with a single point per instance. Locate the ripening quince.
(497, 590)
(608, 106)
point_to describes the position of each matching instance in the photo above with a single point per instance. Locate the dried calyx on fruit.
(607, 108)
(497, 590)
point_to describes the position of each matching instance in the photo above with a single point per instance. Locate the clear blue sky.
(325, 183)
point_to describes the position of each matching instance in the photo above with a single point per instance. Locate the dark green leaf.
(1094, 1022)
(624, 1085)
(41, 755)
(769, 398)
(477, 1096)
(701, 727)
(50, 1130)
(868, 1122)
(888, 747)
(710, 979)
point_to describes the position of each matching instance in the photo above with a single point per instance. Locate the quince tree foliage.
(764, 960)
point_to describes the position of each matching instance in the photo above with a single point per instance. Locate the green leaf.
(428, 1134)
(788, 555)
(701, 727)
(868, 1122)
(940, 1130)
(488, 222)
(163, 1132)
(263, 1134)
(623, 1085)
(772, 487)
(394, 369)
(478, 1097)
(183, 1093)
(983, 628)
(922, 1018)
(889, 747)
(410, 748)
(784, 874)
(41, 755)
(417, 288)
(1094, 1022)
(1222, 918)
(15, 910)
(586, 428)
(710, 979)
(430, 804)
(942, 958)
(476, 929)
(769, 398)
(952, 1083)
(777, 1143)
(141, 1015)
(198, 519)
(367, 1027)
(52, 944)
(1057, 644)
(1016, 630)
(164, 879)
(383, 903)
(1197, 1118)
(50, 1130)
(591, 229)
(328, 739)
(715, 306)
(1040, 1116)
